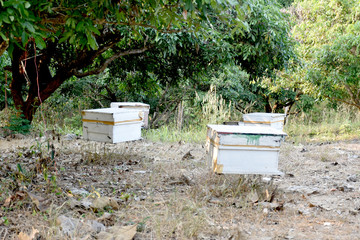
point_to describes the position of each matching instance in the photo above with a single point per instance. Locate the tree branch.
(61, 20)
(108, 61)
(353, 97)
(343, 101)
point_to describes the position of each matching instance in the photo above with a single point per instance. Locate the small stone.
(303, 150)
(69, 137)
(352, 178)
(80, 191)
(266, 179)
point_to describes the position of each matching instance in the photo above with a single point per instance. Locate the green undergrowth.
(194, 134)
(324, 124)
(321, 124)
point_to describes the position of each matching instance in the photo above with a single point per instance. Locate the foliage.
(330, 43)
(4, 61)
(81, 38)
(79, 22)
(205, 108)
(264, 50)
(233, 85)
(266, 46)
(285, 3)
(17, 124)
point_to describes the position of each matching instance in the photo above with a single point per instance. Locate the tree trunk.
(32, 82)
(268, 108)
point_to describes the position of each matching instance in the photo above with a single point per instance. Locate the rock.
(352, 178)
(272, 206)
(19, 136)
(304, 190)
(84, 203)
(216, 201)
(68, 225)
(266, 179)
(80, 191)
(303, 150)
(70, 136)
(74, 228)
(96, 226)
(188, 156)
(345, 188)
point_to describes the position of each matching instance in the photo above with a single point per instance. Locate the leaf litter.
(153, 190)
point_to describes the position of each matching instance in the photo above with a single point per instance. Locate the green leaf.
(24, 38)
(30, 27)
(80, 26)
(6, 19)
(94, 30)
(27, 4)
(2, 35)
(92, 42)
(65, 37)
(40, 43)
(10, 49)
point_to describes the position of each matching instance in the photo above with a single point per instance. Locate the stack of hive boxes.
(252, 147)
(119, 123)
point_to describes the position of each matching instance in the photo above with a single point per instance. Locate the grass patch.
(342, 123)
(193, 134)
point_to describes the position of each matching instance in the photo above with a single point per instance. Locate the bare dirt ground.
(152, 190)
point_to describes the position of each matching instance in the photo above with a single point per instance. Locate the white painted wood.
(111, 125)
(275, 120)
(141, 107)
(111, 115)
(248, 161)
(261, 129)
(243, 149)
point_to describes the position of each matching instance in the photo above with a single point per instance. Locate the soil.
(68, 188)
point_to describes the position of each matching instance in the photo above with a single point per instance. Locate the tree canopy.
(50, 41)
(328, 32)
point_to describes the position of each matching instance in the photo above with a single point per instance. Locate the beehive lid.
(129, 104)
(111, 116)
(111, 111)
(266, 114)
(253, 130)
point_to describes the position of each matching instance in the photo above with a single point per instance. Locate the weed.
(141, 226)
(5, 221)
(18, 124)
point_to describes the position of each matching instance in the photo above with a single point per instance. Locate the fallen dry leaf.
(102, 202)
(7, 202)
(118, 233)
(41, 203)
(19, 195)
(24, 236)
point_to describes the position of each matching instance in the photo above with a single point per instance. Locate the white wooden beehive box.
(275, 120)
(111, 125)
(244, 149)
(143, 108)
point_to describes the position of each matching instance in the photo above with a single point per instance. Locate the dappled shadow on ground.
(74, 189)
